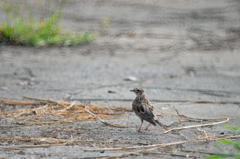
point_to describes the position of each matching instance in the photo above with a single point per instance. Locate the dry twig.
(103, 121)
(18, 103)
(43, 100)
(191, 102)
(119, 156)
(30, 146)
(197, 126)
(211, 138)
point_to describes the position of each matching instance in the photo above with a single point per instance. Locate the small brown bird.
(144, 109)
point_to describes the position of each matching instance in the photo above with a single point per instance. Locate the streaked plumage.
(144, 109)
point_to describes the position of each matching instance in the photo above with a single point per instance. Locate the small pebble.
(109, 91)
(3, 88)
(130, 78)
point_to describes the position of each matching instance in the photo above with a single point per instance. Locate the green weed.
(105, 23)
(20, 29)
(225, 153)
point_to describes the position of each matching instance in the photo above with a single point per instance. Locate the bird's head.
(138, 91)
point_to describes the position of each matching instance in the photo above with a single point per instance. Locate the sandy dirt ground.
(179, 51)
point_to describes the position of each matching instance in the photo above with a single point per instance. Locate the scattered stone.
(109, 91)
(23, 83)
(130, 78)
(3, 88)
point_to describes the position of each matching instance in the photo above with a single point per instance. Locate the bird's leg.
(140, 125)
(148, 127)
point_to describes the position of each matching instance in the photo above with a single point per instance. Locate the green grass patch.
(224, 153)
(20, 28)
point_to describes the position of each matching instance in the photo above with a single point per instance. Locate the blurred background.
(179, 50)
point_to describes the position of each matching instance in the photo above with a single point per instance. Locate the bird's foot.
(140, 130)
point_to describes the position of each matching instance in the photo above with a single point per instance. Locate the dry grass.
(48, 112)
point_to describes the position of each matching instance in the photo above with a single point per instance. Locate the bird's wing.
(146, 112)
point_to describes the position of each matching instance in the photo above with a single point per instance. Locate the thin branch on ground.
(43, 100)
(197, 126)
(30, 146)
(18, 103)
(103, 121)
(211, 138)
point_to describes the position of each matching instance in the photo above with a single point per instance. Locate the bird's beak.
(131, 91)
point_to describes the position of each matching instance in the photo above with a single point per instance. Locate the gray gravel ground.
(179, 51)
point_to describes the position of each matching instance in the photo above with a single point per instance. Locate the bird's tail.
(161, 124)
